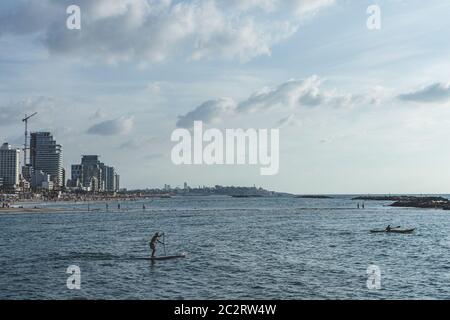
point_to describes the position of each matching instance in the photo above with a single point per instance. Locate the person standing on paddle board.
(153, 241)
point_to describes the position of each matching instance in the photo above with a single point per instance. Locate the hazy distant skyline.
(359, 111)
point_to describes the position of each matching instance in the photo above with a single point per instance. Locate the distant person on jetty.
(155, 239)
(357, 205)
(363, 205)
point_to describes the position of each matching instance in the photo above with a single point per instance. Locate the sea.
(236, 248)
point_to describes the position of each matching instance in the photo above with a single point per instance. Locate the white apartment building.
(9, 165)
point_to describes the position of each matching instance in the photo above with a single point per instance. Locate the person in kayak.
(388, 228)
(153, 242)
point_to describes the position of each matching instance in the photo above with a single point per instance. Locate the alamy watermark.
(73, 22)
(74, 280)
(234, 147)
(374, 277)
(374, 19)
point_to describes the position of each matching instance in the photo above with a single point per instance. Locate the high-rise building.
(9, 166)
(117, 182)
(92, 172)
(94, 175)
(77, 172)
(111, 179)
(47, 156)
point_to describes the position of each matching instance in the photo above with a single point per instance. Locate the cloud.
(13, 113)
(299, 7)
(295, 94)
(304, 7)
(291, 95)
(149, 31)
(120, 126)
(286, 121)
(208, 112)
(436, 92)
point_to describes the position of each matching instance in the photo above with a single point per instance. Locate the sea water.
(237, 248)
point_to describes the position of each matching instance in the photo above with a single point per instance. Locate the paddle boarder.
(154, 241)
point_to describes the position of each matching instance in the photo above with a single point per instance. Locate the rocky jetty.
(385, 198)
(411, 201)
(423, 202)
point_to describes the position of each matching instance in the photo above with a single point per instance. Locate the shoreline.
(29, 210)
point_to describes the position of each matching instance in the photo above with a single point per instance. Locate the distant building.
(111, 179)
(27, 172)
(9, 166)
(41, 180)
(47, 156)
(94, 175)
(117, 182)
(92, 172)
(77, 173)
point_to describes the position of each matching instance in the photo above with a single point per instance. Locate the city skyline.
(44, 168)
(354, 116)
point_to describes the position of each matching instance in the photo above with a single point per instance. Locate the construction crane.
(26, 137)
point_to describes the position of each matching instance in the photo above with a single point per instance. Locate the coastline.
(28, 210)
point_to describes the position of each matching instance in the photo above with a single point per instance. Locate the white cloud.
(153, 30)
(291, 95)
(120, 126)
(208, 112)
(299, 7)
(302, 7)
(436, 92)
(295, 94)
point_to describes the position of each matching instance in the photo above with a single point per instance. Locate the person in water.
(154, 241)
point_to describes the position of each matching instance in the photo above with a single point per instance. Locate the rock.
(384, 198)
(423, 202)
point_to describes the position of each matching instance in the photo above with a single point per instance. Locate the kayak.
(394, 231)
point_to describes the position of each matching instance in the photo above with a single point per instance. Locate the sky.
(359, 110)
